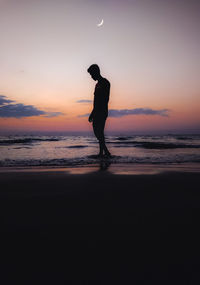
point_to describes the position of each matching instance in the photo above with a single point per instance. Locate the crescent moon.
(100, 24)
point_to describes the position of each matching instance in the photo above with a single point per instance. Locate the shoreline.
(105, 166)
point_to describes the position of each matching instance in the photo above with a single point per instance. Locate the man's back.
(101, 97)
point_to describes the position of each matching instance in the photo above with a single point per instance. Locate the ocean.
(75, 150)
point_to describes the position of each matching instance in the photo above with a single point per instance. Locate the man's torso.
(101, 98)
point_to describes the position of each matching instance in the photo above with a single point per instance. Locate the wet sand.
(99, 227)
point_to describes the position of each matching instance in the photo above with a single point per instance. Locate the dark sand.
(99, 228)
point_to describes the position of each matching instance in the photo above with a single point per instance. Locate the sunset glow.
(148, 50)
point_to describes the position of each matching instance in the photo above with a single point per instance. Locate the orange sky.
(149, 51)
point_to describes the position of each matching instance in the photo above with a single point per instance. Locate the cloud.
(84, 101)
(115, 113)
(138, 111)
(8, 110)
(3, 100)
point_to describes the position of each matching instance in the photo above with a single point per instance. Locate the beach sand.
(67, 226)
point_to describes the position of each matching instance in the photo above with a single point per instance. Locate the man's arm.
(90, 119)
(106, 93)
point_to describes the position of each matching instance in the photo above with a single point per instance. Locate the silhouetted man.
(99, 113)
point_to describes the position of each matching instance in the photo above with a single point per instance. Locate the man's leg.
(101, 138)
(104, 148)
(97, 134)
(106, 151)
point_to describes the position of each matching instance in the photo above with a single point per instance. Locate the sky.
(147, 49)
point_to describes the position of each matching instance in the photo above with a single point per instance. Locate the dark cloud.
(3, 100)
(8, 110)
(84, 101)
(19, 111)
(138, 111)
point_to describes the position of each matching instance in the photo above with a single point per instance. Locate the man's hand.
(90, 119)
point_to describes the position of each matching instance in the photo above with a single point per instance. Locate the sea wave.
(123, 138)
(25, 140)
(90, 160)
(76, 146)
(152, 145)
(71, 146)
(193, 137)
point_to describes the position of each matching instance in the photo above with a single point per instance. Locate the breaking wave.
(151, 145)
(89, 160)
(26, 140)
(59, 150)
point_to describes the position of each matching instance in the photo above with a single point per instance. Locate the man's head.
(94, 71)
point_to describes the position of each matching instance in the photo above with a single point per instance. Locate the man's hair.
(94, 68)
